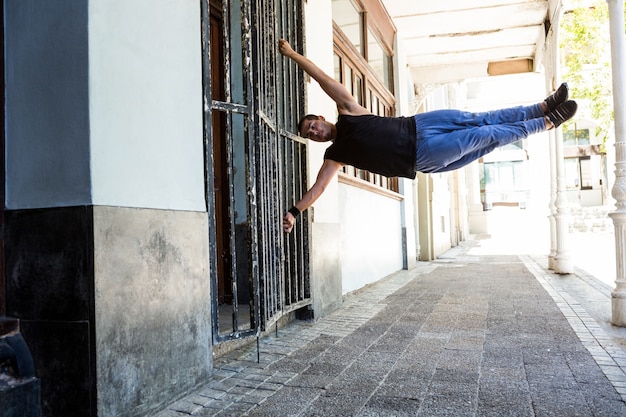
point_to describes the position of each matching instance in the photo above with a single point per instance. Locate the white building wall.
(145, 89)
(405, 95)
(437, 228)
(325, 259)
(371, 240)
(441, 203)
(319, 49)
(357, 234)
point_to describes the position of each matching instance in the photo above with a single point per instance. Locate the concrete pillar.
(616, 18)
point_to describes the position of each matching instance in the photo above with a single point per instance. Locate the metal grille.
(281, 161)
(255, 166)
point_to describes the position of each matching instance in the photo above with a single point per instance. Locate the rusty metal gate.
(255, 164)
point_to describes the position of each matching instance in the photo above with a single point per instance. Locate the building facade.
(150, 152)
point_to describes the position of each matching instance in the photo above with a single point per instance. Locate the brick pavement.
(464, 336)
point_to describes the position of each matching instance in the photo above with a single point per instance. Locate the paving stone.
(464, 336)
(186, 406)
(390, 406)
(344, 404)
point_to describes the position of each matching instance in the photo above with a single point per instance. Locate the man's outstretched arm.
(324, 176)
(346, 104)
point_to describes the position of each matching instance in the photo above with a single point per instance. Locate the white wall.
(145, 85)
(371, 240)
(325, 261)
(405, 96)
(319, 49)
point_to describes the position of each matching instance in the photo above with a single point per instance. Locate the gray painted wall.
(47, 103)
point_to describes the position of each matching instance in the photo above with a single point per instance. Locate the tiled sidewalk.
(467, 335)
(606, 352)
(240, 383)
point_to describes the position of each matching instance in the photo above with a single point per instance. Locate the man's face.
(316, 130)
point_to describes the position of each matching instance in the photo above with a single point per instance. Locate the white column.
(616, 18)
(552, 205)
(562, 261)
(477, 217)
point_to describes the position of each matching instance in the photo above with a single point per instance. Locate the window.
(348, 17)
(578, 173)
(507, 175)
(363, 64)
(576, 137)
(370, 38)
(504, 183)
(378, 59)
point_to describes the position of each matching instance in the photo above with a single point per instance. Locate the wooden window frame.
(372, 92)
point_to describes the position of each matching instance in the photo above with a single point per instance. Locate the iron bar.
(262, 98)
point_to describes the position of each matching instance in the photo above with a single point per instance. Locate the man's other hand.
(288, 222)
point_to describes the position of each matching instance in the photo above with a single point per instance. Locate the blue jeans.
(451, 139)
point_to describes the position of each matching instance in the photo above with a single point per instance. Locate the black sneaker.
(562, 113)
(560, 95)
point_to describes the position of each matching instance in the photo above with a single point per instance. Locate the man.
(437, 141)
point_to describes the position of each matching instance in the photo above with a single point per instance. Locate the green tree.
(586, 60)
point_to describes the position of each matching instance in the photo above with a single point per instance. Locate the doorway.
(255, 165)
(235, 312)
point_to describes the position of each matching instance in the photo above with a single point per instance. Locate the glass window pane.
(358, 88)
(586, 174)
(348, 18)
(237, 58)
(489, 177)
(519, 174)
(338, 72)
(572, 172)
(506, 175)
(583, 136)
(569, 137)
(378, 59)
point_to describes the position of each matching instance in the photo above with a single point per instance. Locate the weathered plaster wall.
(152, 303)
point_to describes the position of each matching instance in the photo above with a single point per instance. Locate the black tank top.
(383, 145)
